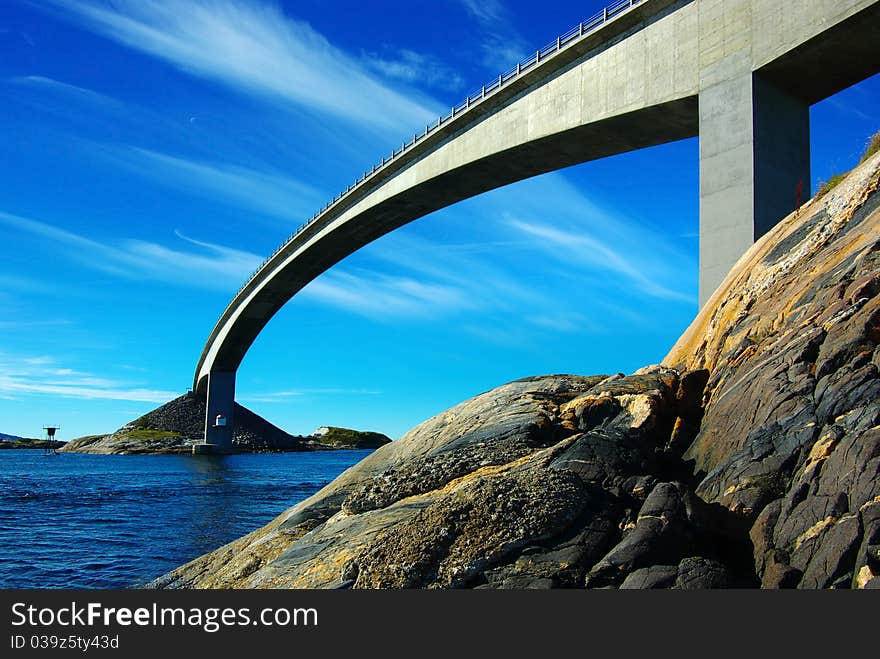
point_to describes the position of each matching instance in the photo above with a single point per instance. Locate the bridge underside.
(657, 125)
(828, 63)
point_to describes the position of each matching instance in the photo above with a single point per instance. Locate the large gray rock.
(528, 485)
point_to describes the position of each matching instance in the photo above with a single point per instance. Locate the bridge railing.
(562, 42)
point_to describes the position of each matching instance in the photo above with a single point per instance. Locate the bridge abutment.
(219, 412)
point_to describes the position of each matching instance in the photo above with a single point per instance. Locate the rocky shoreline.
(25, 443)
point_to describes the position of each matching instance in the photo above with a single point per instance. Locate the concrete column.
(220, 403)
(754, 168)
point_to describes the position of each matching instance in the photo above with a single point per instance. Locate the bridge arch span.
(643, 73)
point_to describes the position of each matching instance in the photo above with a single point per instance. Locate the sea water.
(117, 521)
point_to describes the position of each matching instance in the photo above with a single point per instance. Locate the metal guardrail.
(473, 100)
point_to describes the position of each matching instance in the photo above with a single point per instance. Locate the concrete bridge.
(741, 74)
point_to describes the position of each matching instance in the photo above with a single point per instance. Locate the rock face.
(751, 457)
(177, 425)
(790, 441)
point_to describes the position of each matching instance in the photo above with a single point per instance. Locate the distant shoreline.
(32, 443)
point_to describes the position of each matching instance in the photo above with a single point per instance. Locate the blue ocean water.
(118, 521)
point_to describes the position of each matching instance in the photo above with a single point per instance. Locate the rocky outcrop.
(558, 480)
(790, 441)
(751, 457)
(177, 425)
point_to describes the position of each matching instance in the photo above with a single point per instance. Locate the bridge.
(740, 74)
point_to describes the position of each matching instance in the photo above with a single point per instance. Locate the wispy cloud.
(260, 189)
(63, 110)
(483, 281)
(209, 266)
(501, 53)
(252, 47)
(847, 107)
(31, 324)
(265, 192)
(226, 264)
(509, 284)
(290, 395)
(415, 69)
(418, 280)
(38, 361)
(554, 223)
(588, 251)
(485, 10)
(407, 277)
(41, 375)
(381, 296)
(23, 284)
(65, 90)
(502, 45)
(564, 322)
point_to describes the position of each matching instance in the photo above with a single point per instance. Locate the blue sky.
(152, 152)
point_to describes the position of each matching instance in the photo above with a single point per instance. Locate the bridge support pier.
(219, 413)
(754, 164)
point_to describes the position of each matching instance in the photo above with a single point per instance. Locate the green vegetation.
(830, 184)
(152, 433)
(872, 147)
(356, 439)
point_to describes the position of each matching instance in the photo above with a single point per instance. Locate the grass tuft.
(827, 186)
(872, 147)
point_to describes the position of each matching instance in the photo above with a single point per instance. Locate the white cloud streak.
(31, 324)
(381, 296)
(253, 48)
(415, 69)
(502, 44)
(268, 193)
(33, 376)
(23, 284)
(66, 90)
(291, 395)
(211, 266)
(261, 190)
(486, 11)
(523, 274)
(587, 250)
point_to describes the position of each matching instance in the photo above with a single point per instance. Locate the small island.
(9, 442)
(174, 427)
